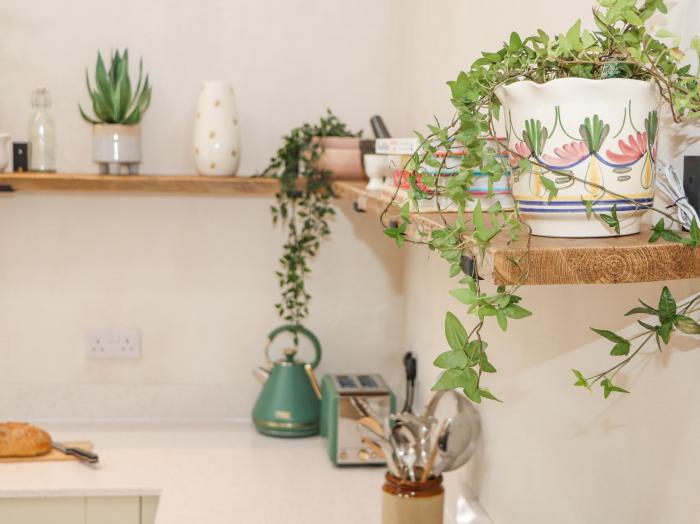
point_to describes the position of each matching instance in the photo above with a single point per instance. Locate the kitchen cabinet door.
(48, 510)
(113, 510)
(149, 507)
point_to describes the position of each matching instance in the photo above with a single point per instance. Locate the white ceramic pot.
(4, 151)
(115, 146)
(604, 132)
(379, 167)
(217, 147)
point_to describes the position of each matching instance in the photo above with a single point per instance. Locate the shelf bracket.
(357, 208)
(468, 265)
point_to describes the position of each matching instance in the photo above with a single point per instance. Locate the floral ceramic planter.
(603, 132)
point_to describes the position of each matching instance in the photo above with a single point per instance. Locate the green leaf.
(502, 319)
(485, 393)
(464, 295)
(611, 220)
(646, 310)
(687, 325)
(517, 312)
(573, 35)
(549, 186)
(478, 218)
(85, 117)
(475, 349)
(609, 387)
(667, 306)
(485, 365)
(589, 207)
(695, 45)
(580, 379)
(104, 87)
(515, 42)
(620, 349)
(612, 337)
(455, 333)
(457, 378)
(451, 359)
(664, 331)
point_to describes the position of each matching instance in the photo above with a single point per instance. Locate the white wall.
(201, 286)
(196, 274)
(552, 452)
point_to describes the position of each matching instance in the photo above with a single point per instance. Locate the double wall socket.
(113, 344)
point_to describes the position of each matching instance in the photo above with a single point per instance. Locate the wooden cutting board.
(53, 455)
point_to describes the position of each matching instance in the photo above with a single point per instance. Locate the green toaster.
(344, 400)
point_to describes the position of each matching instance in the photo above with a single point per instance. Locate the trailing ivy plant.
(621, 46)
(303, 208)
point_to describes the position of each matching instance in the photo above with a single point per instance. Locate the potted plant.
(581, 115)
(303, 207)
(341, 156)
(118, 109)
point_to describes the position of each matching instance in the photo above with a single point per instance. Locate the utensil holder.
(406, 502)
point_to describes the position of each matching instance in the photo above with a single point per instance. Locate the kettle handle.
(295, 328)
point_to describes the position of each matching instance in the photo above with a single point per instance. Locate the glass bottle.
(41, 133)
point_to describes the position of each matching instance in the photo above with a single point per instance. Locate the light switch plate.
(113, 344)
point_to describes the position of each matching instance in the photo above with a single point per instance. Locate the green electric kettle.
(289, 404)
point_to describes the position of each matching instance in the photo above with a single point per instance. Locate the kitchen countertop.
(218, 473)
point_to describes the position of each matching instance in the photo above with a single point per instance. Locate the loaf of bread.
(19, 439)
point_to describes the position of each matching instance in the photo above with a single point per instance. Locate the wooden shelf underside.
(610, 260)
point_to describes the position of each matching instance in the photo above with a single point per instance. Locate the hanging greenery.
(303, 208)
(620, 47)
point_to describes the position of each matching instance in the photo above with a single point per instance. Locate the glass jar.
(41, 133)
(406, 502)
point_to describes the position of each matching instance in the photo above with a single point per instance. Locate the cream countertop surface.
(218, 473)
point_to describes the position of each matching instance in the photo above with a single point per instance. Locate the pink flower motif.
(631, 151)
(521, 151)
(567, 154)
(402, 180)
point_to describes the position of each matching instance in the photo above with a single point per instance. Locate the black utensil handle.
(409, 362)
(83, 454)
(378, 127)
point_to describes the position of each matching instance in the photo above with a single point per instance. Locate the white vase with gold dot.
(217, 139)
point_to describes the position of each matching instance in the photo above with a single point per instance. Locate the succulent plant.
(113, 100)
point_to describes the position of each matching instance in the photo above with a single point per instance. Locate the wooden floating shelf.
(552, 260)
(609, 260)
(249, 186)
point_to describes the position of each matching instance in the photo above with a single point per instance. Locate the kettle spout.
(261, 374)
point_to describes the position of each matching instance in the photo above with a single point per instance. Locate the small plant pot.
(341, 156)
(406, 502)
(116, 147)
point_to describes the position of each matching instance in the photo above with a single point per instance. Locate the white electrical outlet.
(113, 344)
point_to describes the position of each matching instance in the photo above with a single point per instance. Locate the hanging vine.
(303, 208)
(620, 47)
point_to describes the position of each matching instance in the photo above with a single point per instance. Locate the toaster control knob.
(343, 455)
(363, 455)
